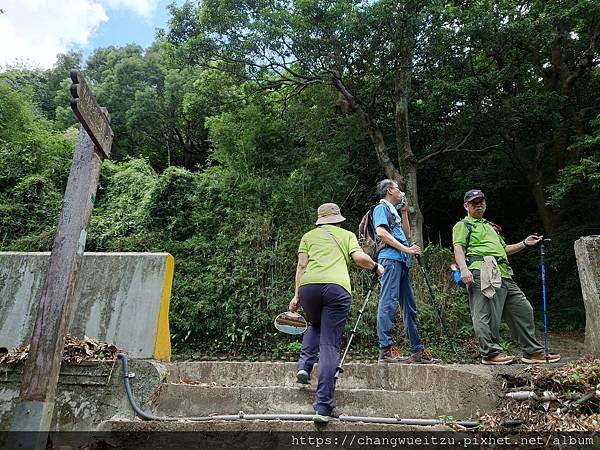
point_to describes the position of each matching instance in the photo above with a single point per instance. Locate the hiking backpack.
(367, 236)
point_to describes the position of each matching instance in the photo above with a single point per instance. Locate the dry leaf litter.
(568, 384)
(75, 351)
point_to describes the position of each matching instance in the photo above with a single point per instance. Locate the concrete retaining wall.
(120, 298)
(88, 393)
(587, 253)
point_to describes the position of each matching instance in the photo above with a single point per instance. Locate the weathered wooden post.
(40, 375)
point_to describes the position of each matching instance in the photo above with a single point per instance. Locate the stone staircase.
(192, 390)
(92, 398)
(379, 390)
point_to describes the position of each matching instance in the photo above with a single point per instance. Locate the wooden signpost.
(93, 118)
(35, 405)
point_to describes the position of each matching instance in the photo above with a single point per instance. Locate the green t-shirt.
(484, 241)
(326, 263)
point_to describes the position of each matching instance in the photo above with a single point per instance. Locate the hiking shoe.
(496, 360)
(422, 357)
(324, 418)
(303, 377)
(390, 355)
(538, 358)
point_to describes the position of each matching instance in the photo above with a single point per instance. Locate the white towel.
(490, 276)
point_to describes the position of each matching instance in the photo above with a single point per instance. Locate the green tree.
(527, 72)
(365, 51)
(156, 109)
(34, 164)
(582, 178)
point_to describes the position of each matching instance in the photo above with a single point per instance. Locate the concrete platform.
(273, 435)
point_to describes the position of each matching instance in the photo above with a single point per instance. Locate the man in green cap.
(482, 257)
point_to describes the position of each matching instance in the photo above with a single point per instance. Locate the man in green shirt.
(475, 240)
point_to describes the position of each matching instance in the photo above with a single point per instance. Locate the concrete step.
(187, 400)
(268, 426)
(275, 434)
(411, 391)
(93, 392)
(398, 377)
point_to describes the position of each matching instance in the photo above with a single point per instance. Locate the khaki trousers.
(508, 304)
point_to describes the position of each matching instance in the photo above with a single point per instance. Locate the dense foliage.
(242, 118)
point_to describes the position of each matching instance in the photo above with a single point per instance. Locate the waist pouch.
(499, 259)
(471, 259)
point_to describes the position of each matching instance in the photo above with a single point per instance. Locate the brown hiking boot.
(422, 357)
(391, 355)
(538, 358)
(499, 359)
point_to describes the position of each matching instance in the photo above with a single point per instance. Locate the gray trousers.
(508, 304)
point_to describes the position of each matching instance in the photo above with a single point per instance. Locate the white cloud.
(144, 8)
(35, 31)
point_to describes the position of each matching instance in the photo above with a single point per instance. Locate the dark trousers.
(326, 307)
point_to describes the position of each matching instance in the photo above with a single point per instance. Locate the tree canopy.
(242, 117)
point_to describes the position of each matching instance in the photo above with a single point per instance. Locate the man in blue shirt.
(396, 289)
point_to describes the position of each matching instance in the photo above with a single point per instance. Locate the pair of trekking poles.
(339, 369)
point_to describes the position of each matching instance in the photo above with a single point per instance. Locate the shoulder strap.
(469, 226)
(332, 237)
(497, 228)
(370, 223)
(392, 218)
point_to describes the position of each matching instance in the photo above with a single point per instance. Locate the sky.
(33, 32)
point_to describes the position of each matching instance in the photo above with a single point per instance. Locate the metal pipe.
(339, 368)
(581, 400)
(526, 395)
(299, 417)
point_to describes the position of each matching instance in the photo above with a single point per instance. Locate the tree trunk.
(406, 157)
(550, 218)
(376, 136)
(533, 165)
(406, 177)
(559, 76)
(347, 104)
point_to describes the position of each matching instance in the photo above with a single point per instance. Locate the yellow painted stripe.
(162, 346)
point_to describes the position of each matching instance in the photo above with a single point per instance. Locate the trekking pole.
(543, 270)
(339, 369)
(435, 304)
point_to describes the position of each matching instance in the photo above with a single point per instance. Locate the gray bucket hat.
(329, 213)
